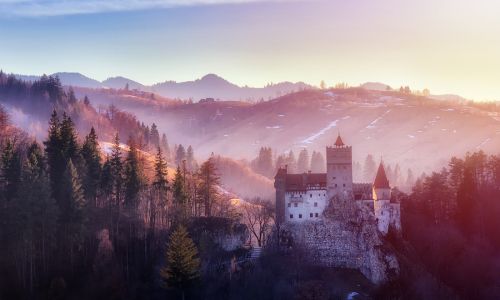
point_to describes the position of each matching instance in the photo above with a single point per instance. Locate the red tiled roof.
(381, 180)
(339, 142)
(300, 182)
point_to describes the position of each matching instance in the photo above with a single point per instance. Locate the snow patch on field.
(273, 127)
(372, 124)
(483, 143)
(411, 136)
(313, 137)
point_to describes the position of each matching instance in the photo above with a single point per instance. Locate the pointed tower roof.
(381, 180)
(339, 142)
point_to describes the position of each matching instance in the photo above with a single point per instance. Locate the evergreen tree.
(10, 170)
(190, 162)
(209, 182)
(69, 144)
(179, 193)
(73, 212)
(86, 101)
(369, 169)
(71, 96)
(291, 162)
(182, 262)
(132, 177)
(154, 136)
(159, 188)
(92, 158)
(55, 160)
(106, 182)
(164, 146)
(303, 161)
(116, 171)
(180, 155)
(317, 162)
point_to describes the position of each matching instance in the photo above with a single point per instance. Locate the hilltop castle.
(305, 197)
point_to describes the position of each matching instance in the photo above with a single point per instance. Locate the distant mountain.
(209, 86)
(120, 82)
(69, 79)
(375, 86)
(213, 86)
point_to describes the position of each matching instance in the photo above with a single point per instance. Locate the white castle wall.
(305, 205)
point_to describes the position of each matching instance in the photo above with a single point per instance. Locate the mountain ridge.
(208, 86)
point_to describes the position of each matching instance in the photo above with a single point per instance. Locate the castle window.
(316, 215)
(295, 204)
(335, 185)
(289, 204)
(311, 195)
(344, 184)
(315, 204)
(311, 215)
(334, 177)
(300, 216)
(291, 216)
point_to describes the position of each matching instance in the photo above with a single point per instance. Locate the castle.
(305, 197)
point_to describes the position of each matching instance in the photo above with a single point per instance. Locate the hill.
(413, 131)
(209, 86)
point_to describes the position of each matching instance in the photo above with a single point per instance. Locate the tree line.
(75, 219)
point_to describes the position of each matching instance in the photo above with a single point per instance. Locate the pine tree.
(160, 188)
(180, 155)
(55, 160)
(154, 136)
(132, 177)
(190, 163)
(303, 161)
(10, 170)
(164, 146)
(73, 212)
(69, 144)
(71, 96)
(209, 182)
(369, 169)
(179, 193)
(291, 162)
(92, 158)
(182, 262)
(116, 169)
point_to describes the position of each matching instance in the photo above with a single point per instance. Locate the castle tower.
(280, 186)
(339, 170)
(382, 199)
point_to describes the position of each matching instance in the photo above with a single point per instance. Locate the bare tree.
(259, 218)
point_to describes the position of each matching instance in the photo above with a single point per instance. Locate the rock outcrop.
(346, 237)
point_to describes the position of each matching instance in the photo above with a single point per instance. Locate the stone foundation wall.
(347, 237)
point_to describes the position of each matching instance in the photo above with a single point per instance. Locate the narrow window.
(311, 195)
(311, 215)
(300, 216)
(315, 204)
(344, 184)
(291, 216)
(295, 204)
(316, 215)
(335, 185)
(289, 204)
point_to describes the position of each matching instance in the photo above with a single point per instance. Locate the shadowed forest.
(132, 218)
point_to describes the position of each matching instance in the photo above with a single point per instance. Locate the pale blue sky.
(447, 46)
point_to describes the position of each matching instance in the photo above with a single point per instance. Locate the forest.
(81, 218)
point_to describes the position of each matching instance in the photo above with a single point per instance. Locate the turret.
(339, 169)
(381, 199)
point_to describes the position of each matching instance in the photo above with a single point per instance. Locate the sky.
(447, 46)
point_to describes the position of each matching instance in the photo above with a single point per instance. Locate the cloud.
(42, 8)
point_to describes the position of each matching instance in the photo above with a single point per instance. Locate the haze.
(448, 47)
